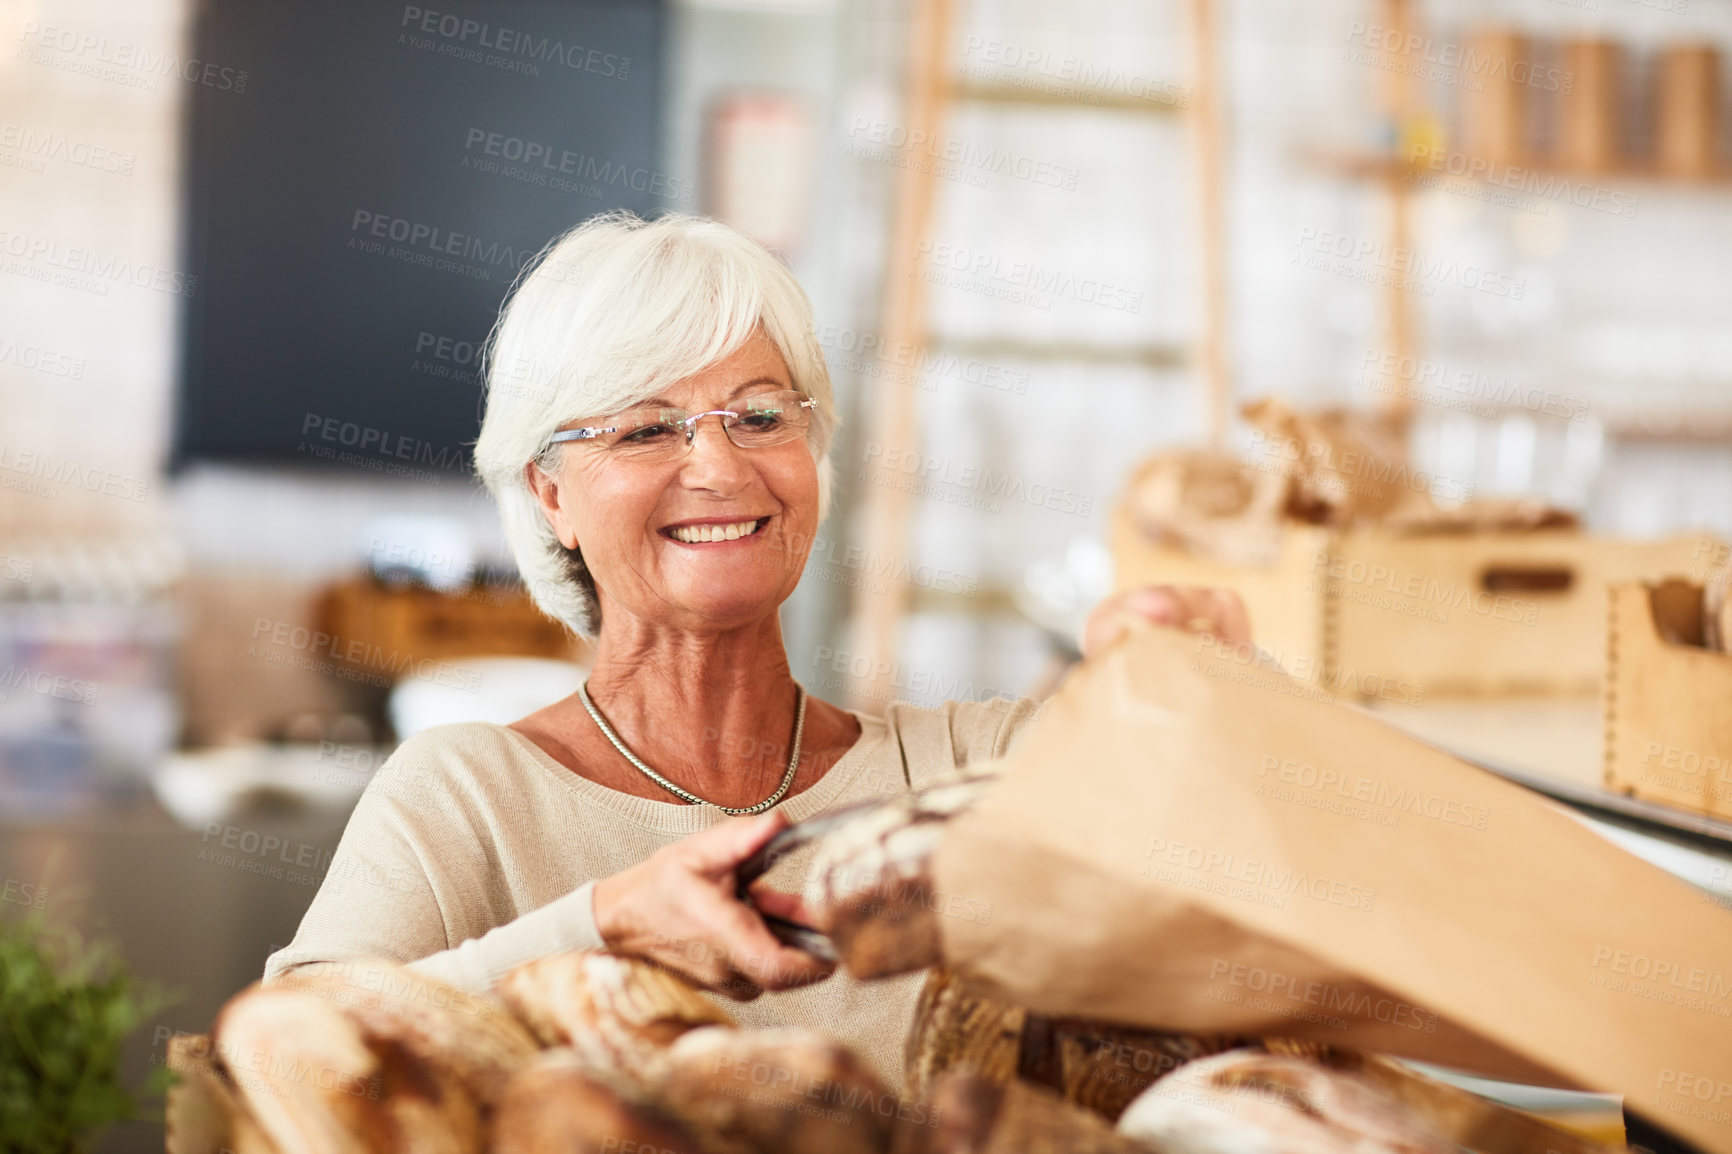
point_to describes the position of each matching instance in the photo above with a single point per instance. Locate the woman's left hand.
(1218, 612)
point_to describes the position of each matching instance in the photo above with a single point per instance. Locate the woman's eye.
(647, 434)
(761, 422)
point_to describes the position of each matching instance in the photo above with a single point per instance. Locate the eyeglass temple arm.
(584, 434)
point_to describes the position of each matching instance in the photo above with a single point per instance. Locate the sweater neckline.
(681, 818)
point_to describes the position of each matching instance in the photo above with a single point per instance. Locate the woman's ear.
(545, 490)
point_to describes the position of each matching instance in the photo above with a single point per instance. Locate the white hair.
(611, 313)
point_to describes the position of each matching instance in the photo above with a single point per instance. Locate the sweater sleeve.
(1017, 723)
(395, 890)
(477, 965)
(980, 731)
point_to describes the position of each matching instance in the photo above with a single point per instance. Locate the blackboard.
(363, 182)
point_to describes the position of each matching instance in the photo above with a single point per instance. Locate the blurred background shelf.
(1398, 169)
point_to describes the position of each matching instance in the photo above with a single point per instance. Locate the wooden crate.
(422, 624)
(1285, 602)
(1486, 614)
(1667, 704)
(1373, 614)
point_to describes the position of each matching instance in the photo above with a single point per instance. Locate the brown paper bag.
(1189, 841)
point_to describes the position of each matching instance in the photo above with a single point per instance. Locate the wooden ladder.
(931, 91)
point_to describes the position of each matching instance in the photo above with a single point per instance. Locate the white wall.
(1624, 313)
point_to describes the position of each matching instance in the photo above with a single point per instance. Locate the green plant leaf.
(66, 1007)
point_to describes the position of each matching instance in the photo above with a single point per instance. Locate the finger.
(720, 848)
(1162, 604)
(737, 987)
(754, 953)
(1231, 617)
(776, 904)
(706, 966)
(1198, 610)
(1111, 620)
(697, 954)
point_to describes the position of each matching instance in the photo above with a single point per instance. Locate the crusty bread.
(559, 1104)
(203, 1114)
(296, 1062)
(872, 881)
(616, 1012)
(958, 1028)
(315, 1083)
(1103, 1067)
(1255, 1102)
(780, 1091)
(969, 1114)
(1096, 1065)
(476, 1039)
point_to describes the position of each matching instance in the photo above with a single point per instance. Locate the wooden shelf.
(1701, 428)
(1390, 167)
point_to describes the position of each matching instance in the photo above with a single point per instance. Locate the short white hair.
(608, 315)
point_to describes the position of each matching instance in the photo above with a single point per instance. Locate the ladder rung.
(988, 600)
(1069, 96)
(1152, 356)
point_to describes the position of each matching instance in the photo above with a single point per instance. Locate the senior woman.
(657, 432)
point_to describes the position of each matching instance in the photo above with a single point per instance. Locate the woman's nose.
(713, 456)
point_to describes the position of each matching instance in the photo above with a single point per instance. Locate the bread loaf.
(558, 1104)
(975, 1115)
(422, 1106)
(1254, 1102)
(1104, 1067)
(617, 1013)
(300, 1066)
(1332, 456)
(202, 1114)
(314, 1082)
(1096, 1065)
(1211, 504)
(779, 1091)
(957, 1028)
(476, 1039)
(872, 881)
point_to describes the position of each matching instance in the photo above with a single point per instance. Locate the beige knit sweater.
(472, 851)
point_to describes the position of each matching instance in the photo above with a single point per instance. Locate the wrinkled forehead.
(741, 372)
(714, 399)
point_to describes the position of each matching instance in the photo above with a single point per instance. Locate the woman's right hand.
(678, 908)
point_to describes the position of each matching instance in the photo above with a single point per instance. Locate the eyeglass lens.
(761, 420)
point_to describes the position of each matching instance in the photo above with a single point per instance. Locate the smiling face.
(714, 539)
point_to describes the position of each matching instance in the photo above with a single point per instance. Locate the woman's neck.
(713, 712)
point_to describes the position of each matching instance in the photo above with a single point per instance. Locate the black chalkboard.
(364, 180)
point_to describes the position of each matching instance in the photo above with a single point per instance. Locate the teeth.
(697, 534)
